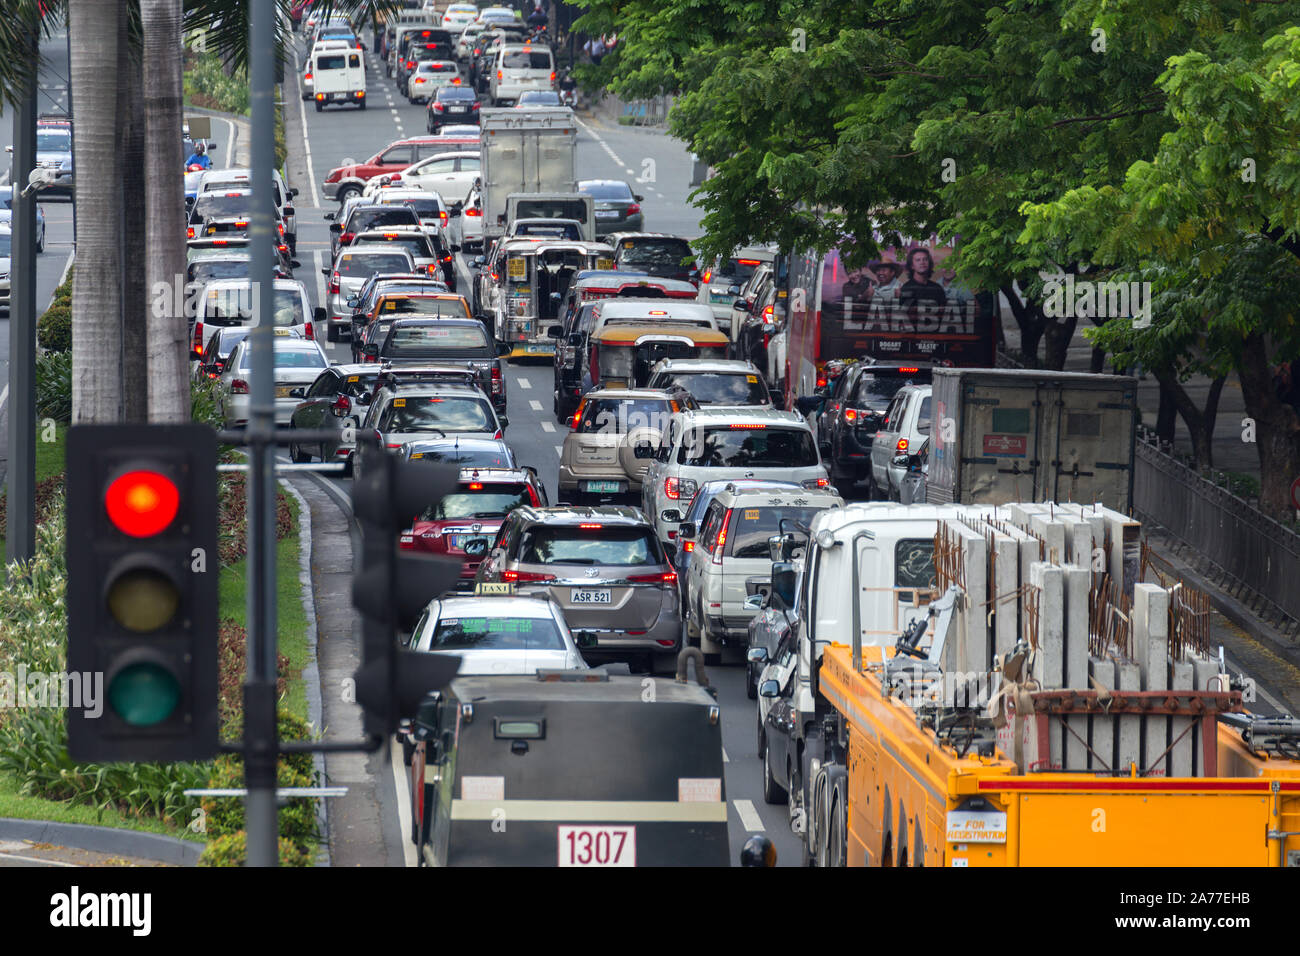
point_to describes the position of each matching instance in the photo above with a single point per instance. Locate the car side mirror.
(503, 421)
(555, 297)
(586, 640)
(740, 304)
(293, 192)
(755, 603)
(638, 197)
(671, 515)
(352, 301)
(325, 273)
(476, 547)
(329, 216)
(336, 227)
(295, 264)
(643, 449)
(454, 248)
(775, 396)
(775, 545)
(575, 338)
(784, 581)
(807, 404)
(756, 655)
(478, 262)
(899, 460)
(769, 689)
(299, 392)
(733, 290)
(554, 331)
(319, 314)
(686, 531)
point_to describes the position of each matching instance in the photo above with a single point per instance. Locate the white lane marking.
(320, 279)
(749, 818)
(546, 426)
(535, 405)
(603, 145)
(403, 802)
(725, 758)
(524, 383)
(306, 140)
(559, 449)
(629, 170)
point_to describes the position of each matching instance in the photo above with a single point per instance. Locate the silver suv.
(716, 383)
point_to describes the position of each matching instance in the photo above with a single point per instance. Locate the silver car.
(297, 364)
(351, 270)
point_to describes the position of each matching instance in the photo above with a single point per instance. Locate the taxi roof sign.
(494, 587)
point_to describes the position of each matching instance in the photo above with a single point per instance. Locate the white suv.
(731, 566)
(701, 445)
(906, 426)
(715, 383)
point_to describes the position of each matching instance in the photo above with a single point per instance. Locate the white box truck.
(1008, 435)
(525, 151)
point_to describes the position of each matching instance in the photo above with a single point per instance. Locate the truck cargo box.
(525, 151)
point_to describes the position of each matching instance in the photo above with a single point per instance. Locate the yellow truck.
(972, 690)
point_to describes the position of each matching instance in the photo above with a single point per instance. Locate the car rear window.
(497, 633)
(417, 246)
(750, 528)
(747, 447)
(394, 215)
(428, 305)
(233, 305)
(354, 264)
(289, 358)
(738, 270)
(424, 208)
(877, 390)
(330, 62)
(719, 388)
(487, 501)
(219, 269)
(437, 338)
(466, 457)
(526, 60)
(607, 190)
(416, 413)
(622, 415)
(455, 93)
(214, 204)
(656, 252)
(595, 545)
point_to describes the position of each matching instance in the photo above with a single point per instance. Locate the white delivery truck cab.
(338, 76)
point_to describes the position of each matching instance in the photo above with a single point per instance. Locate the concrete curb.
(311, 673)
(80, 836)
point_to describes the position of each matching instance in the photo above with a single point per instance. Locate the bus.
(902, 306)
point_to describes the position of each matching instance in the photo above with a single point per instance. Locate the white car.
(298, 363)
(427, 204)
(229, 302)
(466, 228)
(505, 634)
(450, 175)
(458, 16)
(906, 426)
(352, 269)
(430, 76)
(704, 444)
(715, 383)
(518, 69)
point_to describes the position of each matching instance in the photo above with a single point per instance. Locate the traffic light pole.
(260, 731)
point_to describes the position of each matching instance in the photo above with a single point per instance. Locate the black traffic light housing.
(142, 591)
(391, 588)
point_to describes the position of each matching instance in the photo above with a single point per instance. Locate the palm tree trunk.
(97, 281)
(168, 330)
(130, 111)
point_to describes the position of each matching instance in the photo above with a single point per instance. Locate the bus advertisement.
(902, 306)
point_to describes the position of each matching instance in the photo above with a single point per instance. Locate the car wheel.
(319, 106)
(773, 792)
(362, 103)
(347, 192)
(297, 455)
(751, 685)
(331, 332)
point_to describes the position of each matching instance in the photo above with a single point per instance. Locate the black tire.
(40, 245)
(751, 684)
(837, 839)
(319, 106)
(297, 455)
(362, 102)
(773, 792)
(347, 192)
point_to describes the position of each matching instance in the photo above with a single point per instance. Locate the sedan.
(530, 98)
(507, 634)
(6, 215)
(297, 363)
(618, 209)
(451, 104)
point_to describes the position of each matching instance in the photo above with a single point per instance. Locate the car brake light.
(239, 387)
(320, 96)
(821, 381)
(524, 576)
(902, 444)
(342, 406)
(635, 208)
(442, 217)
(475, 104)
(659, 577)
(678, 488)
(552, 76)
(311, 332)
(198, 338)
(473, 211)
(747, 262)
(307, 76)
(909, 371)
(591, 527)
(439, 108)
(393, 444)
(499, 76)
(476, 486)
(243, 224)
(496, 380)
(815, 483)
(722, 537)
(747, 425)
(334, 284)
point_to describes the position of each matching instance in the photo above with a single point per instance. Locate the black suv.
(852, 408)
(421, 340)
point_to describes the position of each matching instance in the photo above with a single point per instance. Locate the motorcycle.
(196, 168)
(569, 98)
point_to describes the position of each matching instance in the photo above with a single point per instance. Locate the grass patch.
(50, 456)
(37, 808)
(292, 643)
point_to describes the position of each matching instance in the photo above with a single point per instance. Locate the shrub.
(232, 850)
(54, 328)
(54, 386)
(205, 407)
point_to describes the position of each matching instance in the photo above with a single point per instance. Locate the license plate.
(609, 487)
(590, 596)
(597, 846)
(282, 391)
(606, 214)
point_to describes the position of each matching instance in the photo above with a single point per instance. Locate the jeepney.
(535, 771)
(623, 353)
(519, 285)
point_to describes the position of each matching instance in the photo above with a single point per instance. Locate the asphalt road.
(660, 168)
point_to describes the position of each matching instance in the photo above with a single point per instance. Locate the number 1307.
(597, 846)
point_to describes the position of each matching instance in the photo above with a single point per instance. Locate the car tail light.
(659, 577)
(342, 407)
(722, 538)
(525, 576)
(311, 331)
(307, 76)
(635, 208)
(708, 273)
(679, 488)
(320, 96)
(475, 105)
(346, 237)
(821, 381)
(456, 82)
(850, 414)
(442, 218)
(334, 284)
(243, 224)
(815, 483)
(476, 486)
(439, 108)
(410, 64)
(902, 445)
(393, 445)
(239, 387)
(747, 262)
(189, 233)
(198, 338)
(552, 76)
(473, 211)
(909, 371)
(496, 380)
(499, 76)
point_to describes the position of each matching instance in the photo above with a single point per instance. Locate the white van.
(229, 302)
(338, 76)
(518, 69)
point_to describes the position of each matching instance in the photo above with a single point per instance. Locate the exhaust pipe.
(696, 655)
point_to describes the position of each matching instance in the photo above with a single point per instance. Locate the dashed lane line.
(749, 818)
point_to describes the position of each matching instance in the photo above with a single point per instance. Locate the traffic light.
(142, 591)
(391, 588)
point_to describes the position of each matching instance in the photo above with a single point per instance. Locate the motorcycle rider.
(568, 87)
(200, 156)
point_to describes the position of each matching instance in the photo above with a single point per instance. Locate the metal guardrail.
(1249, 551)
(651, 112)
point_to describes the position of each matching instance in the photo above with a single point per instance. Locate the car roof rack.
(390, 377)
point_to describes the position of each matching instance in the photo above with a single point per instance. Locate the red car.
(345, 181)
(465, 522)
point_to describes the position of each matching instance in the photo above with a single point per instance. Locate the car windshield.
(437, 338)
(289, 358)
(233, 305)
(877, 391)
(656, 252)
(392, 215)
(420, 413)
(607, 190)
(621, 415)
(751, 527)
(497, 633)
(424, 208)
(753, 447)
(592, 545)
(353, 264)
(466, 457)
(719, 388)
(416, 245)
(53, 141)
(486, 501)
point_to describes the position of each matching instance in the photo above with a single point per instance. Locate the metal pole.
(72, 146)
(260, 732)
(20, 540)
